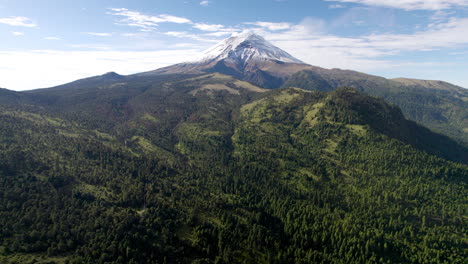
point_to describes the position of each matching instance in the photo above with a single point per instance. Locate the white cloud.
(145, 22)
(130, 35)
(442, 15)
(385, 19)
(271, 25)
(46, 68)
(178, 34)
(336, 6)
(186, 35)
(52, 38)
(213, 31)
(174, 19)
(308, 28)
(204, 3)
(90, 46)
(16, 33)
(208, 27)
(410, 4)
(220, 33)
(149, 23)
(99, 34)
(458, 52)
(450, 34)
(18, 21)
(443, 35)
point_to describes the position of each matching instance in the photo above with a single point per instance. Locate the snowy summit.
(247, 57)
(246, 47)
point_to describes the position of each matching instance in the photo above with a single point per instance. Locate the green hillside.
(440, 106)
(209, 169)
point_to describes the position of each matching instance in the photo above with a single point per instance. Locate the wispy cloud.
(221, 33)
(131, 35)
(52, 38)
(443, 35)
(213, 30)
(174, 19)
(336, 6)
(410, 4)
(178, 34)
(271, 25)
(385, 19)
(367, 52)
(459, 52)
(145, 22)
(198, 37)
(442, 15)
(18, 21)
(16, 33)
(99, 34)
(90, 46)
(208, 27)
(205, 3)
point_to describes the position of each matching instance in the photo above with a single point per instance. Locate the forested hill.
(440, 106)
(210, 169)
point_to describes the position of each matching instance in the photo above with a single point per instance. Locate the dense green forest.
(214, 170)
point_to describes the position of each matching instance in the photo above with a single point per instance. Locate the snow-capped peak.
(247, 47)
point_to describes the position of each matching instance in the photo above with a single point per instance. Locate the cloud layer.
(99, 34)
(410, 4)
(46, 68)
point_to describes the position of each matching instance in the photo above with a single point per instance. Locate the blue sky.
(50, 42)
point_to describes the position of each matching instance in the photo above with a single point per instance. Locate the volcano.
(248, 57)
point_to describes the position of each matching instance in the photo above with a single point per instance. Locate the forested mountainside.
(440, 106)
(210, 169)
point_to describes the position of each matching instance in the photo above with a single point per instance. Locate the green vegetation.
(437, 105)
(159, 174)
